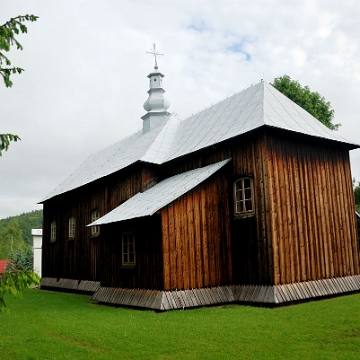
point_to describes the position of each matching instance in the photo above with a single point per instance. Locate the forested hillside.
(15, 231)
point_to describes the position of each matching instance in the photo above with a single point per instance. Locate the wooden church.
(250, 200)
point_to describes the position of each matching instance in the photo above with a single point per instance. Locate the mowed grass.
(51, 325)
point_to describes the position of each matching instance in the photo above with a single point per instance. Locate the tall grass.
(50, 325)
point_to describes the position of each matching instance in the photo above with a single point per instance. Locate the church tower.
(156, 105)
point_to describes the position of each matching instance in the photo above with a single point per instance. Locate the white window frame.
(95, 230)
(244, 204)
(71, 227)
(128, 258)
(53, 231)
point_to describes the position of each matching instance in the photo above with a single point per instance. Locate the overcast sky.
(85, 78)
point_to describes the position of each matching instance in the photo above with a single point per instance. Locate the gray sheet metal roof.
(160, 195)
(109, 160)
(257, 106)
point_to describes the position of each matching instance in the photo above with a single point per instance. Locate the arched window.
(53, 231)
(128, 249)
(95, 230)
(244, 196)
(71, 227)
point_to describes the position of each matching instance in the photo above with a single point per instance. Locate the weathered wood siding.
(303, 227)
(148, 271)
(251, 252)
(311, 207)
(80, 258)
(251, 237)
(196, 237)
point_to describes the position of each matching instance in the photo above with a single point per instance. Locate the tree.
(23, 260)
(7, 39)
(14, 281)
(11, 238)
(5, 141)
(357, 196)
(312, 102)
(18, 276)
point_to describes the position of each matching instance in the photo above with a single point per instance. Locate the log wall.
(312, 225)
(251, 237)
(302, 230)
(196, 237)
(81, 258)
(148, 271)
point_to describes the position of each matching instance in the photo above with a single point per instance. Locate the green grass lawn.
(50, 325)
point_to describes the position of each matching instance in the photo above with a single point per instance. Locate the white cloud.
(85, 80)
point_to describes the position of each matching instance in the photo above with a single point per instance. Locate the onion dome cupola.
(156, 104)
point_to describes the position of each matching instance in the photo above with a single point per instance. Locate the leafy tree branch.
(5, 141)
(8, 31)
(15, 280)
(14, 283)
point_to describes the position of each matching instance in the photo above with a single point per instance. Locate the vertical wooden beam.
(185, 241)
(166, 248)
(191, 239)
(277, 220)
(198, 240)
(306, 231)
(179, 246)
(172, 248)
(204, 239)
(268, 276)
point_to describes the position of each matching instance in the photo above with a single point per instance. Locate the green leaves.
(14, 283)
(312, 102)
(8, 31)
(5, 141)
(357, 196)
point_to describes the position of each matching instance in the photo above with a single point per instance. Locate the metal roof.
(3, 264)
(257, 106)
(109, 160)
(150, 201)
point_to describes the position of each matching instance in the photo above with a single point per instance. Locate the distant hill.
(15, 231)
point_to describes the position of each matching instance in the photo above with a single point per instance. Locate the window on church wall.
(95, 230)
(244, 197)
(53, 231)
(128, 249)
(72, 227)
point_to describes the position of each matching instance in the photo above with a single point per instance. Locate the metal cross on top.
(155, 54)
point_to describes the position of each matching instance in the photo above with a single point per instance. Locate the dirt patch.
(82, 344)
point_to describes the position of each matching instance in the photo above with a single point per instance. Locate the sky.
(86, 67)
